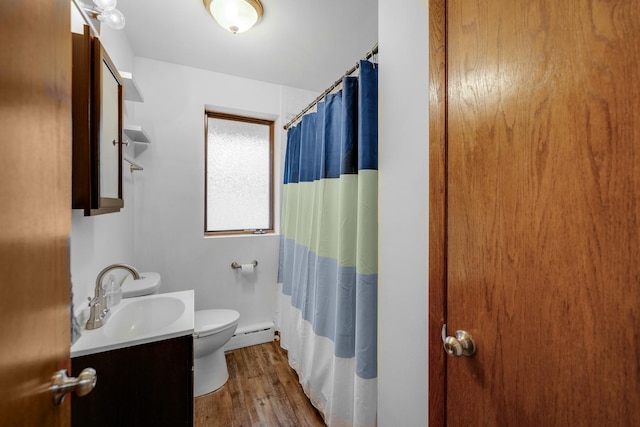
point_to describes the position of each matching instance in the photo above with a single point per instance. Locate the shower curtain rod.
(372, 52)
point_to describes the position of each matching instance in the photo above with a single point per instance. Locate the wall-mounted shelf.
(131, 91)
(136, 134)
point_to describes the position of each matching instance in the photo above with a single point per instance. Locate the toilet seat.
(208, 322)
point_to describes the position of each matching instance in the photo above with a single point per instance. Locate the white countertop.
(97, 341)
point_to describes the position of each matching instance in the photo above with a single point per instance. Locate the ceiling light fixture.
(236, 16)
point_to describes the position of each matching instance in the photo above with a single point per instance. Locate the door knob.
(82, 385)
(460, 345)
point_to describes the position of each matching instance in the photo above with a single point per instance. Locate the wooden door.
(35, 213)
(540, 211)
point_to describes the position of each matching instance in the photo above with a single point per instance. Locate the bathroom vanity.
(143, 356)
(144, 385)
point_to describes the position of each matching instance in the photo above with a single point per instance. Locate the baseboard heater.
(251, 335)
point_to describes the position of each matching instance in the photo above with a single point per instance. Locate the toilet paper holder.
(237, 266)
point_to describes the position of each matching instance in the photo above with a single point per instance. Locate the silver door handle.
(460, 345)
(82, 385)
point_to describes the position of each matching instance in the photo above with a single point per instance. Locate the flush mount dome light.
(236, 16)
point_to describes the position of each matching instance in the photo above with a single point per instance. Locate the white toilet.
(148, 284)
(212, 330)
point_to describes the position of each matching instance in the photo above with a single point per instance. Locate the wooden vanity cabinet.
(144, 385)
(97, 128)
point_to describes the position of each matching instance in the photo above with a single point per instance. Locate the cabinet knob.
(121, 142)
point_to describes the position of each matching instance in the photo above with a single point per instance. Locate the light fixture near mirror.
(102, 11)
(109, 14)
(236, 16)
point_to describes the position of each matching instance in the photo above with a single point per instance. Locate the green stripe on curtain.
(367, 222)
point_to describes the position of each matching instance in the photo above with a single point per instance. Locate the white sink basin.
(144, 317)
(140, 320)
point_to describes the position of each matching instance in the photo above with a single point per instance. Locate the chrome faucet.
(99, 302)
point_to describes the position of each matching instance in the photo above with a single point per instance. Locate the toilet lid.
(207, 322)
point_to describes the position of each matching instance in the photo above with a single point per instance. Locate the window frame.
(245, 119)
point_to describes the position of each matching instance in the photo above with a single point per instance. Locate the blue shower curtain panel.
(328, 253)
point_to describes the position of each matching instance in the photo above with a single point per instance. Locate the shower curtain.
(328, 278)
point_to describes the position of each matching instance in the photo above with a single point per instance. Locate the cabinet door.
(144, 385)
(107, 130)
(97, 128)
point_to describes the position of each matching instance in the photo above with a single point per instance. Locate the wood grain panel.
(543, 211)
(437, 210)
(35, 124)
(81, 123)
(262, 391)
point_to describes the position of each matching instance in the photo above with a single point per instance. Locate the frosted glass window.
(239, 164)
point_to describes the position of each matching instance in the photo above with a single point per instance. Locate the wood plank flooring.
(262, 391)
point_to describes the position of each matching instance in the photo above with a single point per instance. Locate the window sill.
(235, 236)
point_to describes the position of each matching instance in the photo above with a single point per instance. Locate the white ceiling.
(306, 44)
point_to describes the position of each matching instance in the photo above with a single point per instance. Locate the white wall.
(104, 239)
(404, 217)
(170, 190)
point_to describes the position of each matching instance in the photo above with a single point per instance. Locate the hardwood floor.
(262, 391)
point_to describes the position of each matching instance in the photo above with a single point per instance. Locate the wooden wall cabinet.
(97, 128)
(144, 385)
